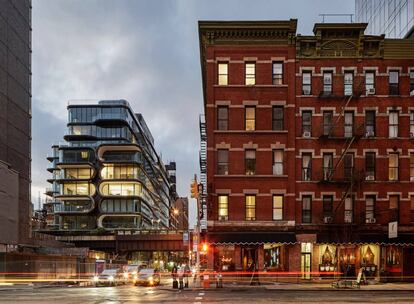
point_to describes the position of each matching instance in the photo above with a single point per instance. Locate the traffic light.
(194, 189)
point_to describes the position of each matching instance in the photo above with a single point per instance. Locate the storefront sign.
(392, 230)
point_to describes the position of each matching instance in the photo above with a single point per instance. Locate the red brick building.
(310, 150)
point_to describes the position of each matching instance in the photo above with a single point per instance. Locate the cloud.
(143, 51)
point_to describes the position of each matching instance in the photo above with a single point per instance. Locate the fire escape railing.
(203, 171)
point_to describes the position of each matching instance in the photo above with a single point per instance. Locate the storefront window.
(225, 258)
(327, 258)
(273, 256)
(370, 259)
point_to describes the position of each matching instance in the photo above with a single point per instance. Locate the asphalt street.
(163, 294)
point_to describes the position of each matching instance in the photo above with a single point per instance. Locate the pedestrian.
(180, 273)
(174, 276)
(187, 272)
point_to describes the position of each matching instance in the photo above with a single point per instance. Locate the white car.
(108, 277)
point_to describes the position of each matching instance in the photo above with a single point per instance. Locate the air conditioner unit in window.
(307, 134)
(412, 93)
(411, 135)
(412, 178)
(370, 177)
(370, 91)
(370, 221)
(369, 133)
(327, 219)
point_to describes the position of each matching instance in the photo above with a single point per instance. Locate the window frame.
(276, 164)
(348, 85)
(349, 169)
(277, 78)
(249, 78)
(412, 166)
(327, 205)
(370, 208)
(327, 127)
(307, 171)
(246, 120)
(220, 74)
(368, 123)
(350, 211)
(308, 86)
(305, 125)
(222, 164)
(250, 162)
(394, 168)
(411, 75)
(393, 87)
(349, 128)
(327, 86)
(278, 121)
(249, 207)
(327, 170)
(392, 125)
(412, 124)
(277, 209)
(369, 85)
(370, 170)
(307, 216)
(221, 120)
(220, 208)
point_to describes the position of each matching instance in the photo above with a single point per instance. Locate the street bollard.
(175, 283)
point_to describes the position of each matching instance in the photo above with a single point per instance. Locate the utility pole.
(195, 194)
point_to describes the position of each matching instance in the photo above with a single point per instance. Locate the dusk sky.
(143, 51)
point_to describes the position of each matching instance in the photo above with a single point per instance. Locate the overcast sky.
(143, 51)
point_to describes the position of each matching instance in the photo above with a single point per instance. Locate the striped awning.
(378, 239)
(249, 238)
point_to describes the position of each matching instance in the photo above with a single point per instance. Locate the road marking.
(197, 303)
(201, 294)
(198, 298)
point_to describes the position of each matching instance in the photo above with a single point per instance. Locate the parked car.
(109, 277)
(130, 272)
(148, 276)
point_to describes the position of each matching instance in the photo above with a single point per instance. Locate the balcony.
(340, 132)
(340, 176)
(75, 206)
(118, 221)
(76, 156)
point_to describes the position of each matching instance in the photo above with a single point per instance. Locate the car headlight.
(134, 273)
(135, 277)
(110, 278)
(95, 278)
(125, 275)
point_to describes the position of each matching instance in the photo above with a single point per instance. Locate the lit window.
(250, 118)
(277, 207)
(250, 70)
(250, 207)
(223, 73)
(223, 207)
(393, 167)
(84, 154)
(277, 73)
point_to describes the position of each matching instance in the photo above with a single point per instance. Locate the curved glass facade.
(81, 205)
(120, 222)
(113, 171)
(121, 189)
(79, 188)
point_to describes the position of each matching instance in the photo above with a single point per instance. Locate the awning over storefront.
(239, 238)
(382, 239)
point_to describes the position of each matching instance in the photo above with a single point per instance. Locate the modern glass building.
(107, 174)
(394, 18)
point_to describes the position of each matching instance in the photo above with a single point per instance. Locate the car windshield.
(109, 272)
(132, 268)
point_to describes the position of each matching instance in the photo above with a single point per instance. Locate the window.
(307, 123)
(250, 207)
(348, 165)
(250, 70)
(327, 205)
(223, 118)
(369, 123)
(348, 213)
(394, 208)
(222, 161)
(327, 83)
(223, 73)
(307, 83)
(277, 162)
(306, 166)
(412, 167)
(250, 162)
(393, 167)
(348, 83)
(277, 73)
(393, 83)
(370, 82)
(370, 166)
(327, 122)
(411, 82)
(250, 118)
(393, 124)
(370, 208)
(277, 118)
(349, 124)
(412, 124)
(277, 207)
(223, 207)
(327, 166)
(306, 209)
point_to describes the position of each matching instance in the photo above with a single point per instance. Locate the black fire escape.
(203, 171)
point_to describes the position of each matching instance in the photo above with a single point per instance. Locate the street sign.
(392, 230)
(185, 238)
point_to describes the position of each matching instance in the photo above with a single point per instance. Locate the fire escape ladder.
(203, 168)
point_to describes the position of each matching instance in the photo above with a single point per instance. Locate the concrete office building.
(15, 122)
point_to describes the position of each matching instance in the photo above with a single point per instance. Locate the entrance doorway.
(249, 258)
(306, 260)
